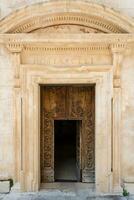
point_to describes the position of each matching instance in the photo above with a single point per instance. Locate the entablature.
(67, 42)
(69, 50)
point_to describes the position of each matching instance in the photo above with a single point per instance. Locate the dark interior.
(65, 150)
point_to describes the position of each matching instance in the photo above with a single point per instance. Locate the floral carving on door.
(71, 103)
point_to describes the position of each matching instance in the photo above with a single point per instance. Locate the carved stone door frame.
(32, 78)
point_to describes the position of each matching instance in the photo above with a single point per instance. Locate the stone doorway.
(37, 138)
(65, 108)
(67, 150)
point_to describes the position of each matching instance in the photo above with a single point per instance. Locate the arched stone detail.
(66, 28)
(53, 13)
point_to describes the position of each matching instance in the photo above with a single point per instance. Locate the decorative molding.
(70, 48)
(102, 25)
(38, 49)
(66, 69)
(63, 54)
(14, 47)
(32, 78)
(54, 12)
(83, 39)
(66, 28)
(118, 47)
(65, 60)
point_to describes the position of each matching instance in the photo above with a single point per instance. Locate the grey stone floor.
(43, 196)
(2, 196)
(56, 196)
(62, 191)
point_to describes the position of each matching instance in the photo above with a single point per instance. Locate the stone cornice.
(65, 42)
(86, 37)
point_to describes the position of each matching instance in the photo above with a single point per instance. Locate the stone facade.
(126, 7)
(57, 42)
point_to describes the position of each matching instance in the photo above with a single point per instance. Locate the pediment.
(58, 14)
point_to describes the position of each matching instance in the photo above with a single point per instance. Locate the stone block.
(4, 186)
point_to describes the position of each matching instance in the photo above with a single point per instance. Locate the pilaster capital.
(118, 48)
(14, 47)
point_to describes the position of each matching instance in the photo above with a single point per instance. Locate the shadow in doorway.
(65, 132)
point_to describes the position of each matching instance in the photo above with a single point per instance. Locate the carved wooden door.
(53, 106)
(78, 148)
(68, 102)
(82, 106)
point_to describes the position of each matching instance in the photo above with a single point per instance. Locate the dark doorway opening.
(67, 148)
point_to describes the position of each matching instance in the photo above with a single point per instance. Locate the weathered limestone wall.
(127, 132)
(6, 91)
(6, 115)
(7, 163)
(126, 7)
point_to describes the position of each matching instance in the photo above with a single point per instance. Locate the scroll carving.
(46, 147)
(89, 169)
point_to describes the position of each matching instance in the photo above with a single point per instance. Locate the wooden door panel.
(78, 148)
(68, 102)
(47, 126)
(53, 106)
(76, 102)
(88, 171)
(54, 101)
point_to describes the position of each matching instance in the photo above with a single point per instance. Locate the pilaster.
(118, 50)
(15, 50)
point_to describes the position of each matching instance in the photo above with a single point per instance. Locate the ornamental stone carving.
(81, 13)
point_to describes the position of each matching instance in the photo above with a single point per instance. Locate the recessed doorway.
(67, 145)
(67, 142)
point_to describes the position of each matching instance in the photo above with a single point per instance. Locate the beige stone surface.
(6, 115)
(66, 54)
(128, 117)
(123, 6)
